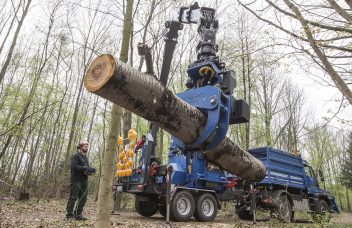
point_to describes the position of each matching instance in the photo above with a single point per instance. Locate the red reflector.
(230, 183)
(139, 187)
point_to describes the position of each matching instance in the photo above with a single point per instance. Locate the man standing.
(79, 182)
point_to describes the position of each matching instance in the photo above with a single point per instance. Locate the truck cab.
(310, 179)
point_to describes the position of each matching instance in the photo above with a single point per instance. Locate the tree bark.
(348, 200)
(104, 196)
(118, 83)
(349, 2)
(34, 151)
(10, 27)
(335, 76)
(69, 148)
(12, 47)
(340, 11)
(161, 145)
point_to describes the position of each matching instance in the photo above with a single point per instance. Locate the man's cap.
(83, 142)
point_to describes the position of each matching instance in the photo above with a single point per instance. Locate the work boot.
(81, 218)
(70, 218)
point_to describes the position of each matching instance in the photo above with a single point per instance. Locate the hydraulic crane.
(201, 157)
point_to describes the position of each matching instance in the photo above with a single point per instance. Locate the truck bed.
(282, 168)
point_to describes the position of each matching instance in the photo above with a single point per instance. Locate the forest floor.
(51, 213)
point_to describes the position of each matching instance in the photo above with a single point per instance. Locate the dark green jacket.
(78, 164)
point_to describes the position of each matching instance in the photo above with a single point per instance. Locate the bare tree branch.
(339, 82)
(340, 11)
(324, 26)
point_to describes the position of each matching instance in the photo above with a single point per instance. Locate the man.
(79, 182)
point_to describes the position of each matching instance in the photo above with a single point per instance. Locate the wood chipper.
(202, 160)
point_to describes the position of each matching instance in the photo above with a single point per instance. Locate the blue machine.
(217, 107)
(197, 187)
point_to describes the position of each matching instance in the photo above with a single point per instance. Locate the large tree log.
(145, 96)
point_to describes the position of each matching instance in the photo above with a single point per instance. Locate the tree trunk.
(33, 152)
(92, 121)
(69, 148)
(100, 156)
(340, 200)
(10, 162)
(327, 66)
(10, 27)
(12, 47)
(104, 196)
(249, 97)
(19, 160)
(348, 200)
(161, 145)
(244, 134)
(117, 82)
(127, 122)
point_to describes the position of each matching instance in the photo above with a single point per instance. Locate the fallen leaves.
(45, 214)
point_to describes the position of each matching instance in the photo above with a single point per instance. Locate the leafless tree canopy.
(322, 30)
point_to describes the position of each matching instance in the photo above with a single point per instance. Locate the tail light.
(152, 169)
(139, 187)
(231, 183)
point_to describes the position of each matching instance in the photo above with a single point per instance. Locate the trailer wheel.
(146, 208)
(321, 213)
(284, 209)
(206, 208)
(182, 206)
(244, 214)
(162, 210)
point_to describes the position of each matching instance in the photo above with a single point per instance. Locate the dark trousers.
(78, 193)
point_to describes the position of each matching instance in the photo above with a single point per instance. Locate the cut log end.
(99, 72)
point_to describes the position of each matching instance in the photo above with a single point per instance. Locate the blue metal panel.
(217, 107)
(282, 168)
(193, 70)
(159, 179)
(179, 165)
(200, 177)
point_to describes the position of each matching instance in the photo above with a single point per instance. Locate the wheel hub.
(184, 205)
(284, 207)
(207, 207)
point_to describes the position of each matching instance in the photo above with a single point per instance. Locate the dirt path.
(52, 213)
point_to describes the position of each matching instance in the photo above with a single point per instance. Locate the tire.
(182, 206)
(162, 210)
(206, 208)
(146, 208)
(244, 214)
(284, 209)
(321, 214)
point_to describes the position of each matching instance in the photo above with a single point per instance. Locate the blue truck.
(290, 185)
